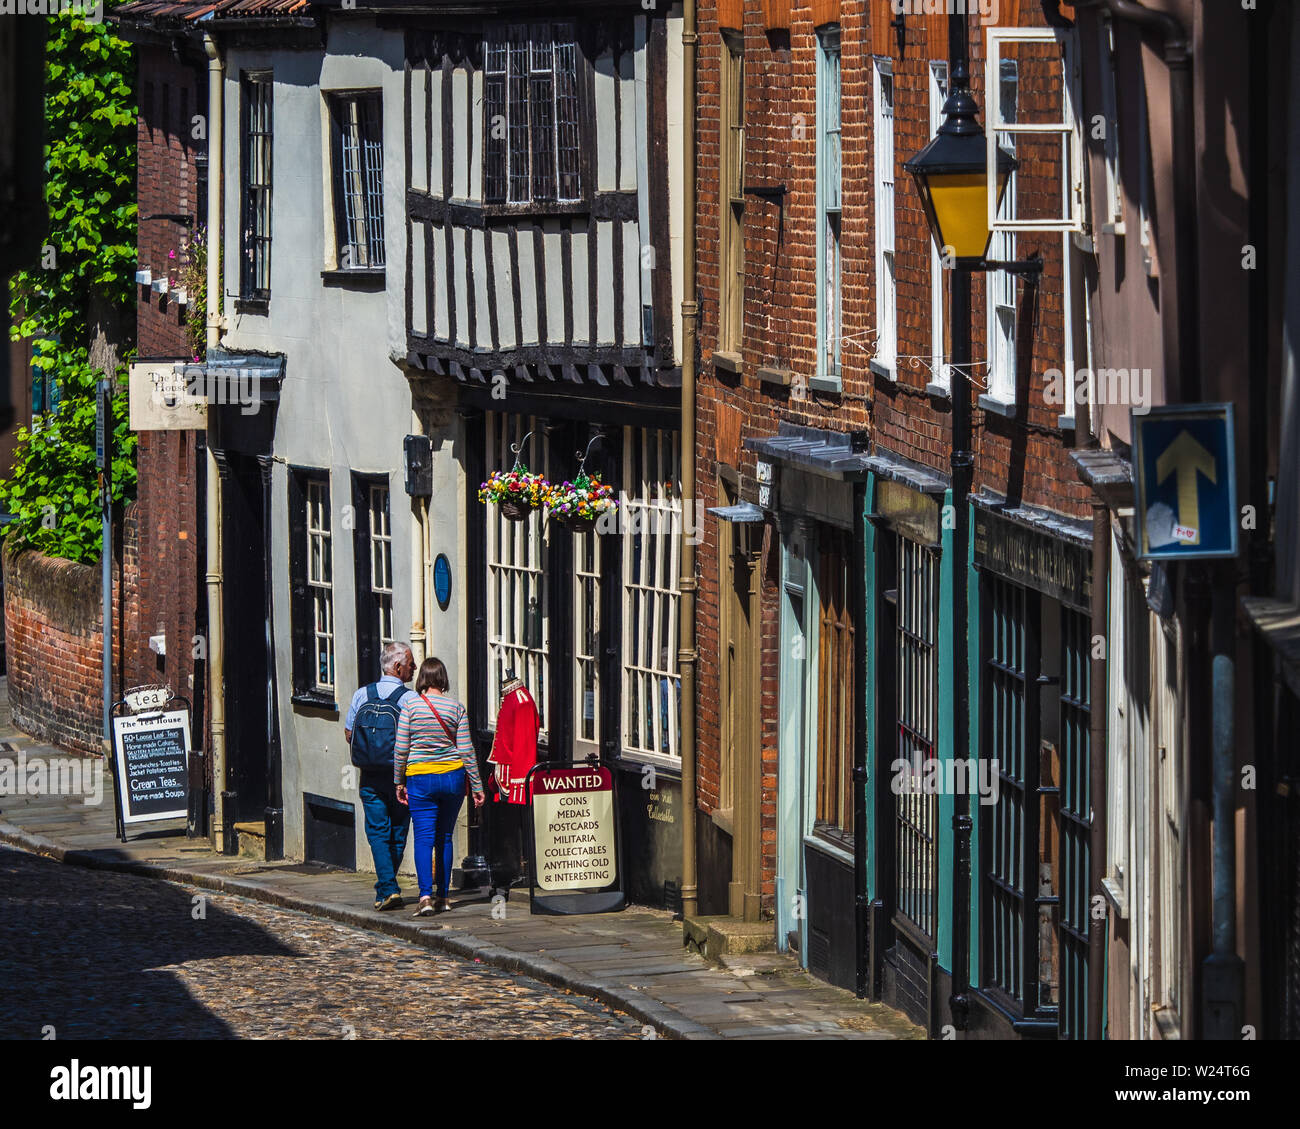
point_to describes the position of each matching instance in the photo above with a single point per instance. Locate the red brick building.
(824, 418)
(163, 635)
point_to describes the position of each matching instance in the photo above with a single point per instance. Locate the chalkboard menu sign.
(152, 754)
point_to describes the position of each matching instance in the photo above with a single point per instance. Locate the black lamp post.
(951, 175)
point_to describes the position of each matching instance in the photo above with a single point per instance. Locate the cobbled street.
(93, 955)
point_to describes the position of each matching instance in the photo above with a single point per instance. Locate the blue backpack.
(374, 729)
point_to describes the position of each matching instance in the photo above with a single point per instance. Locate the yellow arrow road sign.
(1184, 457)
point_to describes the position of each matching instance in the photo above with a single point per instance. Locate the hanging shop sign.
(1184, 471)
(151, 765)
(163, 397)
(1034, 558)
(574, 839)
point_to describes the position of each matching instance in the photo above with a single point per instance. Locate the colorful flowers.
(517, 487)
(583, 499)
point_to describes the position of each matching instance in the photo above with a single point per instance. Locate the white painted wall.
(345, 404)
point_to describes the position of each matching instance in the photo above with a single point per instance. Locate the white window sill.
(1116, 896)
(997, 407)
(882, 368)
(826, 848)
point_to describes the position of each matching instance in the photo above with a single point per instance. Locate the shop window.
(940, 322)
(1001, 283)
(835, 688)
(517, 623)
(652, 535)
(587, 557)
(916, 814)
(1036, 836)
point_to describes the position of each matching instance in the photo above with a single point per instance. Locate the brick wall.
(167, 186)
(1025, 458)
(163, 564)
(54, 643)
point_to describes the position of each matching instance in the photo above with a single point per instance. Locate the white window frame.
(586, 626)
(516, 568)
(1000, 291)
(1066, 129)
(381, 559)
(941, 371)
(320, 580)
(883, 171)
(650, 595)
(1118, 814)
(830, 232)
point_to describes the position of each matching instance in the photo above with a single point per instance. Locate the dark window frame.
(301, 608)
(256, 222)
(519, 72)
(1061, 795)
(358, 205)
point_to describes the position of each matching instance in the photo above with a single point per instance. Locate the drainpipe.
(216, 642)
(686, 656)
(1097, 718)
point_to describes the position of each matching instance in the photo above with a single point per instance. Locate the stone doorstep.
(715, 936)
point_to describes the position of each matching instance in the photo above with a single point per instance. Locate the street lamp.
(951, 175)
(952, 178)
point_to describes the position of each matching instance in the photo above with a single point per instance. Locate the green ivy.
(52, 495)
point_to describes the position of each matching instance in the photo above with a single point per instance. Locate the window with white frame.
(586, 641)
(940, 325)
(532, 123)
(886, 282)
(829, 303)
(320, 581)
(516, 578)
(381, 561)
(1001, 284)
(652, 535)
(731, 210)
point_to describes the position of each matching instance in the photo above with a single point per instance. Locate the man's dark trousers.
(387, 822)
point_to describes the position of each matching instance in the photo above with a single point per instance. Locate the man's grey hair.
(392, 656)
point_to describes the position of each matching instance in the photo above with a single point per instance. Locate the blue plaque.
(442, 580)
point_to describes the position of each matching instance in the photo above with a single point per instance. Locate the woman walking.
(432, 759)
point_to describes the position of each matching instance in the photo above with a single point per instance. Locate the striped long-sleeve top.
(424, 742)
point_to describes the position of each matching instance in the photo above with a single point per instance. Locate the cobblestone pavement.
(108, 956)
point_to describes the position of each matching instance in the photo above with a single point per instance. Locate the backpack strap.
(372, 692)
(395, 697)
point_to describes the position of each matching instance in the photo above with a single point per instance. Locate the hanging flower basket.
(516, 492)
(578, 505)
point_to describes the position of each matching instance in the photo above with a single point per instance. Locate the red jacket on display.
(514, 748)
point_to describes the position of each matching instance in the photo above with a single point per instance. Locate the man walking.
(373, 715)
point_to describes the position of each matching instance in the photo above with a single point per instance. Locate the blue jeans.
(387, 822)
(435, 802)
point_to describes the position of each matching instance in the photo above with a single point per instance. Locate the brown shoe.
(393, 901)
(443, 905)
(426, 908)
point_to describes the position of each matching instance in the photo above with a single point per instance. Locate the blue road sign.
(1185, 473)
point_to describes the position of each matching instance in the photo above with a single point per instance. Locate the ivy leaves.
(52, 494)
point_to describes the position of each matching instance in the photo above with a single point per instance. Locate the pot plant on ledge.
(516, 492)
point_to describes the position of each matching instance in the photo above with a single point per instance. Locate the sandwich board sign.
(574, 839)
(1185, 477)
(151, 765)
